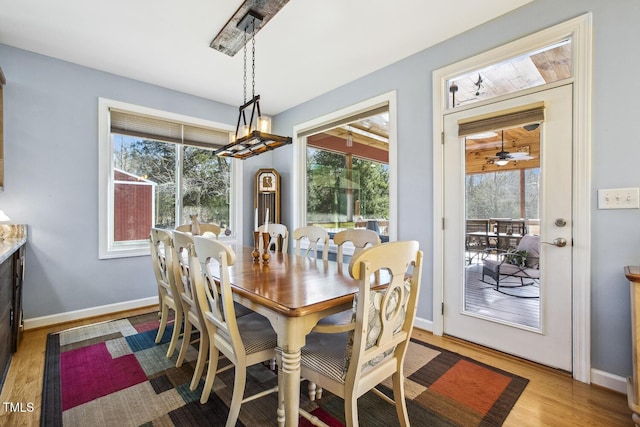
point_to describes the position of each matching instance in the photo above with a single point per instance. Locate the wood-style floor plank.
(552, 398)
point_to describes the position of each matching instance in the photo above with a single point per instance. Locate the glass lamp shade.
(502, 162)
(264, 124)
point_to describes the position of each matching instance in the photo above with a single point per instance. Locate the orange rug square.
(471, 385)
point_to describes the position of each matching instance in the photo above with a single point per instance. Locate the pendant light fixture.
(253, 130)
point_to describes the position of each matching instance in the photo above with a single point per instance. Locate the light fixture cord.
(253, 58)
(245, 68)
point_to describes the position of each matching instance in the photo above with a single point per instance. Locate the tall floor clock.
(267, 195)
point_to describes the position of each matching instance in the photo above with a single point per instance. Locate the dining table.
(293, 293)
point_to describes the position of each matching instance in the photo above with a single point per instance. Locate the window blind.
(126, 123)
(501, 120)
(344, 121)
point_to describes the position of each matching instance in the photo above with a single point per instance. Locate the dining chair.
(359, 237)
(161, 242)
(204, 229)
(193, 318)
(277, 232)
(245, 340)
(314, 235)
(352, 363)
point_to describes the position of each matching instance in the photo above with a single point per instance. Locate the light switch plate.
(619, 198)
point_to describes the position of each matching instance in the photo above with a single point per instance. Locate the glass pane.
(345, 192)
(206, 187)
(546, 65)
(144, 190)
(502, 208)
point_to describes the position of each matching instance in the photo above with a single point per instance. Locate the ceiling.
(307, 49)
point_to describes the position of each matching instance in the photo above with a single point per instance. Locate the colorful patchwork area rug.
(114, 374)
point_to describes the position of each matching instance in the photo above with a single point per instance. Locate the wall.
(51, 178)
(51, 166)
(615, 241)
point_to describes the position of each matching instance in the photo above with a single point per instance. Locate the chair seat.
(492, 268)
(339, 322)
(241, 310)
(256, 332)
(325, 353)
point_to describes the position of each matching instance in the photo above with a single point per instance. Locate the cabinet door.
(18, 281)
(6, 284)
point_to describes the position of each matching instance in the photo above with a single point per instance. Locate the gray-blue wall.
(615, 234)
(51, 162)
(51, 178)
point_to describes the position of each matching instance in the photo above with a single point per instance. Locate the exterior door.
(550, 341)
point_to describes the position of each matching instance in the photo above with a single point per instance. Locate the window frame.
(300, 158)
(106, 247)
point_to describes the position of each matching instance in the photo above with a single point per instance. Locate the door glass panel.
(502, 225)
(539, 67)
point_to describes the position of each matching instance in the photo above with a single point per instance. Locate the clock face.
(267, 182)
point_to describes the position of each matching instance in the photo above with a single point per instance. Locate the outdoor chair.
(523, 264)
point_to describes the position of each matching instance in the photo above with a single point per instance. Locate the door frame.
(580, 30)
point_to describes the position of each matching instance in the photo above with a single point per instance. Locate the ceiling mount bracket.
(232, 36)
(249, 21)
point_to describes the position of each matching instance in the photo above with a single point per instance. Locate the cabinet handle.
(11, 316)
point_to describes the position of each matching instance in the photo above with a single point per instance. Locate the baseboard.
(424, 324)
(52, 319)
(610, 381)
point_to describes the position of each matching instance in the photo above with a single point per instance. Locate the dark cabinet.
(11, 323)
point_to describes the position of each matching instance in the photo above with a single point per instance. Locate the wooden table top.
(292, 285)
(632, 272)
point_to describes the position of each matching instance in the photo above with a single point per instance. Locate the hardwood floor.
(552, 398)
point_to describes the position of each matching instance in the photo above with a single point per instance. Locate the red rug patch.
(324, 417)
(472, 385)
(89, 373)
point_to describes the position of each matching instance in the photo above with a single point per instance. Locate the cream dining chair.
(314, 235)
(161, 242)
(192, 315)
(352, 363)
(203, 229)
(276, 232)
(245, 340)
(359, 237)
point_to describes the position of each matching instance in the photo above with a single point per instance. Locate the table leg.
(291, 386)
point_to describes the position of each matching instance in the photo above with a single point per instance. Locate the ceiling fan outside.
(503, 157)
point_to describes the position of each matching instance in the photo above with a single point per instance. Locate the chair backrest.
(211, 260)
(203, 229)
(360, 238)
(531, 244)
(161, 242)
(182, 243)
(384, 317)
(277, 231)
(477, 234)
(315, 235)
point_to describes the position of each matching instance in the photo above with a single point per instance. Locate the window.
(346, 176)
(345, 191)
(156, 170)
(535, 68)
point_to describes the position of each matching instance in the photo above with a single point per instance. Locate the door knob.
(560, 242)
